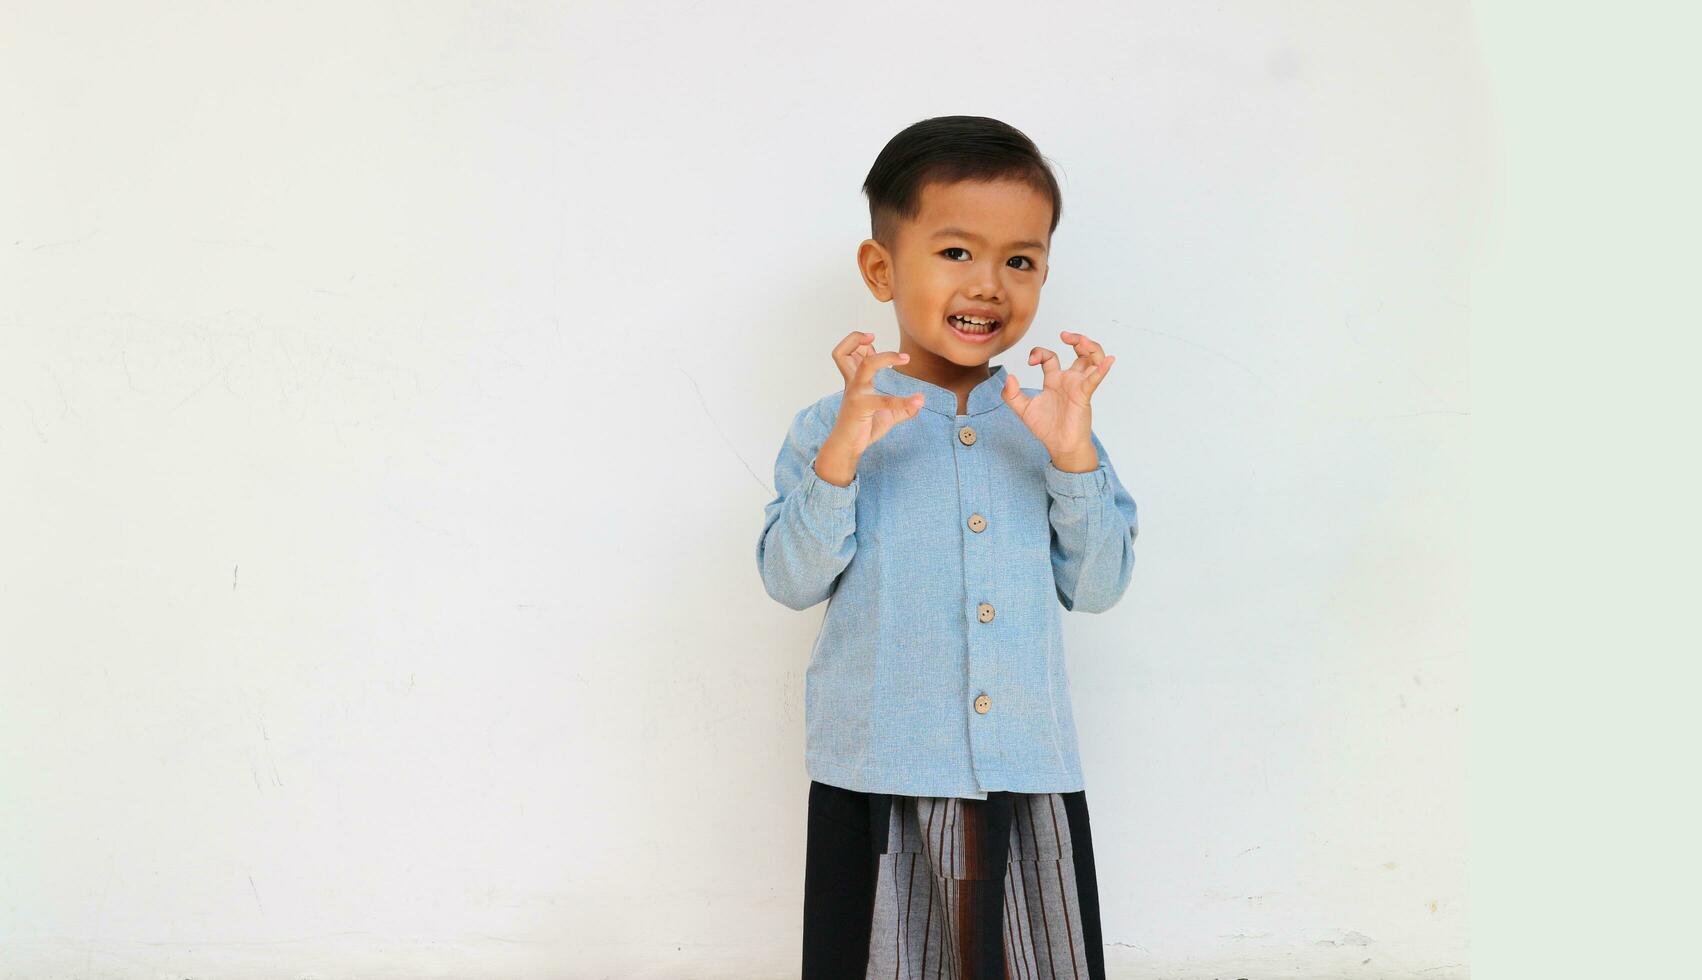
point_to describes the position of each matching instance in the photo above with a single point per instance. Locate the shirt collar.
(984, 397)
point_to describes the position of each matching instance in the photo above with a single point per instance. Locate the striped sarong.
(922, 887)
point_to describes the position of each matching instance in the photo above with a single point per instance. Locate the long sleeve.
(809, 528)
(1094, 525)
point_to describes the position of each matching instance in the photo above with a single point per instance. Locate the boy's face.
(972, 246)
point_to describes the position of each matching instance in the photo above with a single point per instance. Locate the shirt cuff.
(1065, 484)
(827, 496)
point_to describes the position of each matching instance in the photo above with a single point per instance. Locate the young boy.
(946, 513)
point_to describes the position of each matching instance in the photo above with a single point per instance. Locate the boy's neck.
(925, 365)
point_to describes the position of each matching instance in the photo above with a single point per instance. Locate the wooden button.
(983, 704)
(984, 612)
(977, 523)
(966, 435)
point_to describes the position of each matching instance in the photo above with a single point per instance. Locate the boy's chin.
(947, 347)
(974, 360)
(970, 355)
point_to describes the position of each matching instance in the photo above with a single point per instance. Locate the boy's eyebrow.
(960, 233)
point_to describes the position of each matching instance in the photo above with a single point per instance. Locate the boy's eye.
(1024, 258)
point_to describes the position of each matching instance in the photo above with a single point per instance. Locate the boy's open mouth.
(974, 330)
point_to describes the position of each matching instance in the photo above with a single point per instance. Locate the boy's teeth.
(972, 326)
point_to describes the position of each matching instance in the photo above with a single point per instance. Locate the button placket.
(973, 464)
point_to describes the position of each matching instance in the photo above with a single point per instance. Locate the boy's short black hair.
(949, 149)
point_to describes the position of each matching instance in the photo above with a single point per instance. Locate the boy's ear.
(876, 266)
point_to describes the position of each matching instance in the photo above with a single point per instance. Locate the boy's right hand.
(865, 415)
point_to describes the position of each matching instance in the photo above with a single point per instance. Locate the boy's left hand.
(1061, 416)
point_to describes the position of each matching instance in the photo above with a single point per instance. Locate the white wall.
(389, 394)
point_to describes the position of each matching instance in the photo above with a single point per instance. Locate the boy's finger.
(1013, 394)
(844, 351)
(841, 354)
(874, 362)
(1088, 350)
(1081, 340)
(1048, 362)
(905, 405)
(853, 340)
(1097, 373)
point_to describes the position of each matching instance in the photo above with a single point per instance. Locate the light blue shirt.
(945, 562)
